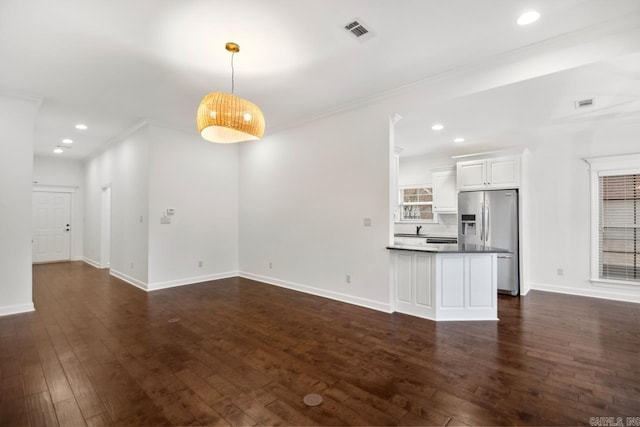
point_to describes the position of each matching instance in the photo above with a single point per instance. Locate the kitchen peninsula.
(445, 281)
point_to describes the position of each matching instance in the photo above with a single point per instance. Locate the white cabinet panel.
(503, 172)
(450, 286)
(404, 276)
(480, 279)
(445, 194)
(452, 276)
(414, 281)
(424, 275)
(478, 299)
(489, 174)
(471, 175)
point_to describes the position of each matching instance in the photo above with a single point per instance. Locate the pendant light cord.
(232, 73)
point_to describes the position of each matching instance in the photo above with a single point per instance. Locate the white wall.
(124, 166)
(304, 194)
(417, 169)
(50, 171)
(17, 121)
(560, 204)
(199, 180)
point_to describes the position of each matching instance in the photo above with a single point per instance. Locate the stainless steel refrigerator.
(490, 219)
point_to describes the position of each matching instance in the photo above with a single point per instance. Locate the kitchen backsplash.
(447, 225)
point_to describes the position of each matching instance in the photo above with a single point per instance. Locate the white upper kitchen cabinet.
(445, 193)
(489, 174)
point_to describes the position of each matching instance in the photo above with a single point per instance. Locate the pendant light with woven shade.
(226, 118)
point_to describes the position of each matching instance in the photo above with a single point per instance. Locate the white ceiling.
(504, 117)
(112, 63)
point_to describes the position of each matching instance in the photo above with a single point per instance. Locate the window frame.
(606, 166)
(402, 204)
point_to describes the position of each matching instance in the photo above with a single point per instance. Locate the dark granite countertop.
(424, 236)
(448, 248)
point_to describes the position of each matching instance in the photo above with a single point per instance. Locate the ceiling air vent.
(584, 103)
(359, 30)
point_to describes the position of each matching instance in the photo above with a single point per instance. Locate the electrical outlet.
(200, 264)
(560, 272)
(348, 278)
(270, 265)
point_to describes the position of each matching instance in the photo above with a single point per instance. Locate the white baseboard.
(350, 299)
(190, 281)
(94, 263)
(77, 258)
(16, 309)
(612, 294)
(130, 280)
(91, 262)
(149, 287)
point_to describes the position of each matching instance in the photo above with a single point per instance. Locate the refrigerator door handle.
(482, 222)
(486, 222)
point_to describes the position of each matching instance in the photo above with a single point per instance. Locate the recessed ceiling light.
(58, 150)
(528, 17)
(67, 141)
(437, 126)
(458, 140)
(81, 126)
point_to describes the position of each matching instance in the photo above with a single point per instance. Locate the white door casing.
(105, 239)
(51, 226)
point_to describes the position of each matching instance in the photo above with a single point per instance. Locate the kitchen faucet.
(418, 229)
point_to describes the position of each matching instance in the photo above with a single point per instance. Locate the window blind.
(619, 236)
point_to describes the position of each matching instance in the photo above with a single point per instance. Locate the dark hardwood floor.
(236, 352)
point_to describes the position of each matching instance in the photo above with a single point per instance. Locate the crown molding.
(23, 96)
(132, 129)
(116, 139)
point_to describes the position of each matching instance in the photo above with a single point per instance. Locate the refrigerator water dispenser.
(468, 225)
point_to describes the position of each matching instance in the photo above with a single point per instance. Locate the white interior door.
(51, 226)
